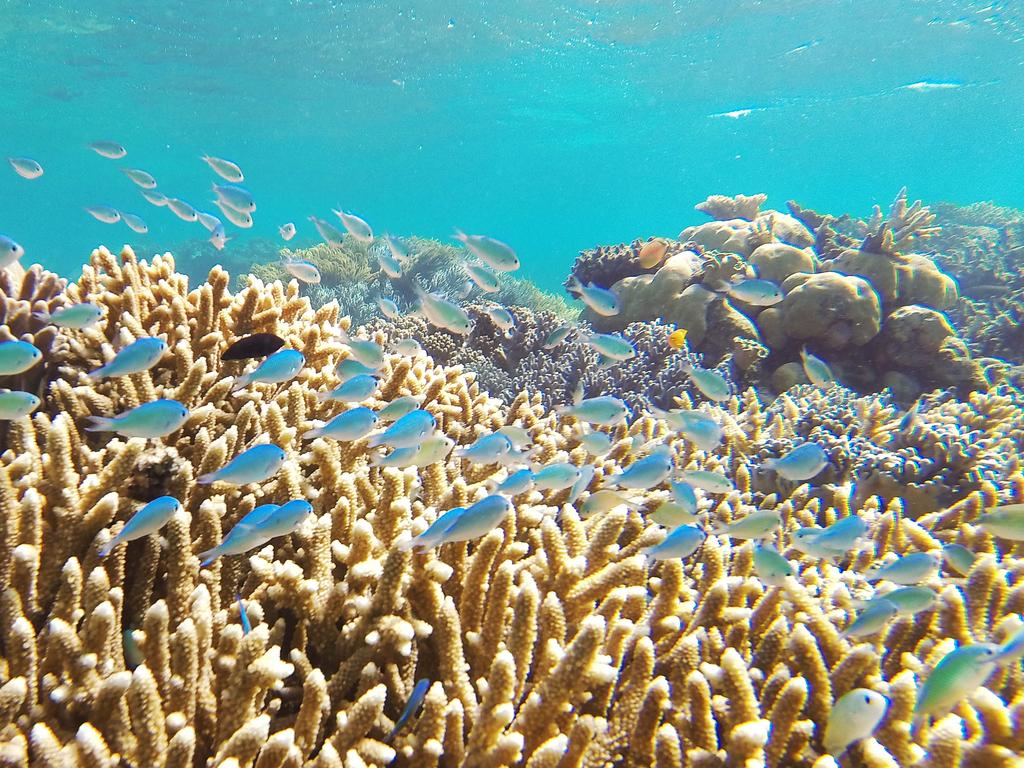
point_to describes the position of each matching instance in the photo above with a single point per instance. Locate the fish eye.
(867, 698)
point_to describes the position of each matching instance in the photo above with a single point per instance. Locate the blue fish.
(139, 356)
(582, 482)
(354, 390)
(16, 405)
(802, 463)
(516, 483)
(434, 533)
(149, 519)
(419, 692)
(647, 472)
(872, 619)
(681, 542)
(252, 466)
(469, 523)
(280, 367)
(350, 367)
(150, 420)
(350, 425)
(410, 430)
(488, 449)
(907, 570)
(555, 477)
(596, 443)
(17, 357)
(243, 616)
(399, 457)
(684, 495)
(255, 530)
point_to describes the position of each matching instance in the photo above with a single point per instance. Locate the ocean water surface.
(551, 125)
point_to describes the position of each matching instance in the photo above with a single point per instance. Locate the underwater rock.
(777, 261)
(831, 309)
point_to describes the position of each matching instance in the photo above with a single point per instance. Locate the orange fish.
(677, 339)
(652, 253)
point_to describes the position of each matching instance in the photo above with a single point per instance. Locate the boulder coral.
(840, 292)
(549, 641)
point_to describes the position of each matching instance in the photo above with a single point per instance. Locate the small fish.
(443, 313)
(681, 542)
(389, 264)
(158, 418)
(477, 520)
(241, 219)
(243, 617)
(959, 558)
(596, 443)
(610, 345)
(908, 570)
(712, 482)
(1006, 522)
(801, 463)
(331, 234)
(233, 196)
(816, 370)
(252, 346)
(711, 384)
(771, 567)
(488, 449)
(365, 351)
(677, 339)
(854, 716)
(388, 308)
(911, 418)
(256, 530)
(670, 512)
(908, 600)
(255, 465)
(182, 210)
(872, 619)
(408, 431)
(147, 520)
(753, 291)
(355, 226)
(518, 435)
(756, 525)
(924, 86)
(555, 477)
(208, 220)
(139, 356)
(134, 223)
(397, 247)
(684, 495)
(652, 253)
(582, 483)
(432, 450)
(224, 168)
(494, 253)
(407, 347)
(518, 482)
(108, 149)
(16, 405)
(434, 533)
(601, 300)
(354, 390)
(557, 336)
(696, 426)
(104, 213)
(605, 500)
(75, 316)
(218, 237)
(159, 199)
(140, 178)
(646, 473)
(502, 318)
(287, 231)
(350, 425)
(605, 411)
(419, 692)
(484, 278)
(280, 367)
(399, 457)
(398, 408)
(303, 270)
(26, 167)
(841, 536)
(10, 251)
(956, 677)
(350, 367)
(17, 357)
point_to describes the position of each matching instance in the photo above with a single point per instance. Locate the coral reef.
(549, 641)
(25, 295)
(852, 291)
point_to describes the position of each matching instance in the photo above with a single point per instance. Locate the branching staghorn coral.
(549, 641)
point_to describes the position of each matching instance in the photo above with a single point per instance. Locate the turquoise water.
(554, 126)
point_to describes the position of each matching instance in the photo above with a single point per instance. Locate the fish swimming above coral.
(252, 346)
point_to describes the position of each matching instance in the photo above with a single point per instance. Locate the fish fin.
(207, 557)
(209, 477)
(100, 424)
(42, 316)
(459, 235)
(98, 374)
(107, 548)
(240, 383)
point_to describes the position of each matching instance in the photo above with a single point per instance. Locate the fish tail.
(208, 557)
(241, 382)
(323, 396)
(310, 434)
(460, 235)
(408, 544)
(41, 316)
(100, 424)
(209, 477)
(98, 374)
(574, 285)
(107, 548)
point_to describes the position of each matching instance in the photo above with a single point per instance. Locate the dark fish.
(415, 699)
(256, 345)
